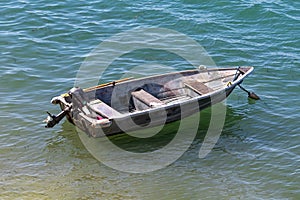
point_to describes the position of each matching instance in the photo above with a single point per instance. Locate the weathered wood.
(104, 110)
(197, 86)
(146, 98)
(243, 70)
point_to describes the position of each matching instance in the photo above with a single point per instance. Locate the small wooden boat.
(132, 104)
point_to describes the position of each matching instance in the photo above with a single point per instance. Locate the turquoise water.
(43, 43)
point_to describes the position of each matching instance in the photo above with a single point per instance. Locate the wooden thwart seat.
(104, 109)
(146, 98)
(197, 86)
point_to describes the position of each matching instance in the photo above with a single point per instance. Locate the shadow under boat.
(146, 141)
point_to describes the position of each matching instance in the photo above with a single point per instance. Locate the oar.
(100, 86)
(106, 84)
(251, 95)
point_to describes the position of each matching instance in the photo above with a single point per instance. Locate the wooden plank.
(198, 87)
(105, 110)
(146, 98)
(244, 70)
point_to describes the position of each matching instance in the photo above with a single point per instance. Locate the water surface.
(43, 43)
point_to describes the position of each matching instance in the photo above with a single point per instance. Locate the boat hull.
(144, 120)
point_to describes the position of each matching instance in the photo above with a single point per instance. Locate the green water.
(43, 43)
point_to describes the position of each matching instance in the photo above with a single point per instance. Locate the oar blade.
(254, 96)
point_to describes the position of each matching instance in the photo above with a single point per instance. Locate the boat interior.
(146, 93)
